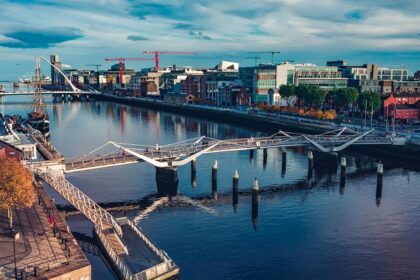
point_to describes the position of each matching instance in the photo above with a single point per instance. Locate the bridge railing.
(78, 199)
(122, 267)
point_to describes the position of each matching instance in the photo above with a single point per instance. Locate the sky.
(85, 32)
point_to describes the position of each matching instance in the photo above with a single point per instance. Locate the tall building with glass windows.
(393, 73)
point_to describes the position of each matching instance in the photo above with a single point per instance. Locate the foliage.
(314, 96)
(371, 99)
(16, 189)
(287, 92)
(344, 96)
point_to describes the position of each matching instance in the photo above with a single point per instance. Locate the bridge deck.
(140, 257)
(181, 153)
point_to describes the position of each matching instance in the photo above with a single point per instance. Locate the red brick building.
(404, 106)
(191, 85)
(7, 150)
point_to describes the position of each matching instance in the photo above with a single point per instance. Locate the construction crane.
(122, 60)
(256, 58)
(272, 54)
(95, 65)
(157, 53)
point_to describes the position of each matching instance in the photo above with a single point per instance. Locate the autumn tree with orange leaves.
(16, 188)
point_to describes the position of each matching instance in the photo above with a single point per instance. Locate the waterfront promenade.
(43, 249)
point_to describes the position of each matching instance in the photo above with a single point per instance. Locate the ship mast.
(38, 101)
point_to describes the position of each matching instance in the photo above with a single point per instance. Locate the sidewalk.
(38, 246)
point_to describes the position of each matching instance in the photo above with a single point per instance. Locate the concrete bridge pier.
(167, 181)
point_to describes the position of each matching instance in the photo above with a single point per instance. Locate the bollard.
(255, 197)
(283, 162)
(264, 158)
(214, 180)
(379, 181)
(379, 174)
(235, 187)
(343, 165)
(193, 166)
(310, 164)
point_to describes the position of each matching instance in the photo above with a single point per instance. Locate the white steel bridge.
(181, 153)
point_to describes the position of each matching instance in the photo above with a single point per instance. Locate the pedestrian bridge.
(181, 153)
(132, 253)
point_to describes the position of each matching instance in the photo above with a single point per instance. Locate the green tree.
(16, 189)
(301, 92)
(343, 97)
(370, 99)
(287, 92)
(314, 96)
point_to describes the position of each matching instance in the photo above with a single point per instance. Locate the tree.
(370, 99)
(16, 189)
(314, 96)
(301, 93)
(287, 92)
(344, 96)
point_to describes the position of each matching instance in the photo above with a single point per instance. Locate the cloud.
(137, 38)
(39, 39)
(186, 26)
(199, 35)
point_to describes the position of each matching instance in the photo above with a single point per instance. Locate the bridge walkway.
(181, 153)
(134, 256)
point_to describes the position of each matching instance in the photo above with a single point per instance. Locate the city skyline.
(85, 33)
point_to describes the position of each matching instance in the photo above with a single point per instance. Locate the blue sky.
(85, 32)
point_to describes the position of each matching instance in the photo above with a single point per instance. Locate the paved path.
(36, 246)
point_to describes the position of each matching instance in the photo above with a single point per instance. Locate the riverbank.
(408, 152)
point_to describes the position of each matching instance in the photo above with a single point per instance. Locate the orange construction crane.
(157, 53)
(122, 60)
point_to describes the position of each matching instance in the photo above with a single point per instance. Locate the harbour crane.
(157, 53)
(122, 60)
(272, 54)
(256, 58)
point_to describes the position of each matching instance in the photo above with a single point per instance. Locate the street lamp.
(15, 236)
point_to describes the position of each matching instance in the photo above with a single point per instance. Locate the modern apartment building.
(393, 73)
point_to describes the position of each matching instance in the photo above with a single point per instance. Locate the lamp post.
(15, 236)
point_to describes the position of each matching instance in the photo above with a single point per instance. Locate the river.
(305, 229)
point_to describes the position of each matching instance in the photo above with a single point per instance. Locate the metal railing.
(122, 267)
(78, 199)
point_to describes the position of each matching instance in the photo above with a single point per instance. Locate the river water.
(305, 229)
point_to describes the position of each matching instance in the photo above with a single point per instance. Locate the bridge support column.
(251, 154)
(167, 181)
(255, 198)
(310, 164)
(265, 158)
(235, 184)
(283, 161)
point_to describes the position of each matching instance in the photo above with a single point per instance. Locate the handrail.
(78, 199)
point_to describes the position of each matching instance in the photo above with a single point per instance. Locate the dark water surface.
(311, 231)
